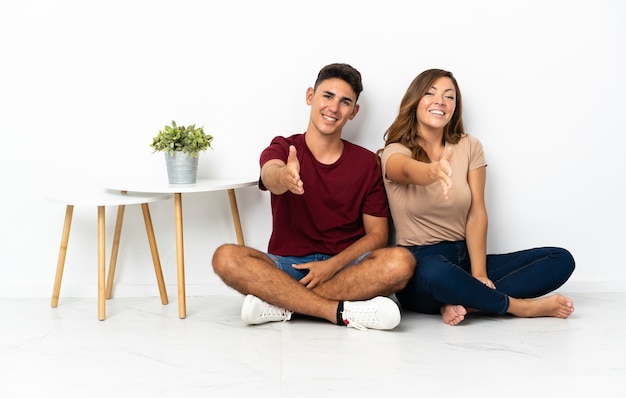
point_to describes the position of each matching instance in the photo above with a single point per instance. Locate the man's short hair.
(344, 72)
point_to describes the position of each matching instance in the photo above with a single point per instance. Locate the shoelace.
(357, 319)
(271, 311)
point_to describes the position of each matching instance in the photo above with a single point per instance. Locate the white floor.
(143, 349)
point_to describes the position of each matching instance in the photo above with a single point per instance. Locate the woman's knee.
(565, 259)
(432, 268)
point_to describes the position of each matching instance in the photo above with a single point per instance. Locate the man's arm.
(376, 232)
(279, 177)
(376, 236)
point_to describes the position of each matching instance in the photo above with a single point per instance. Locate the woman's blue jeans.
(443, 276)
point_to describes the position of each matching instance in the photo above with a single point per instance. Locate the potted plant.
(181, 146)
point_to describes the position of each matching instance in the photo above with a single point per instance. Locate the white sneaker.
(255, 311)
(378, 313)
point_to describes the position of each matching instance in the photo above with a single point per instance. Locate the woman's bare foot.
(555, 306)
(453, 314)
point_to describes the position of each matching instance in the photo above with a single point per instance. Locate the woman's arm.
(476, 228)
(403, 169)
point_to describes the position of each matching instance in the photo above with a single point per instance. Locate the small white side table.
(202, 185)
(100, 198)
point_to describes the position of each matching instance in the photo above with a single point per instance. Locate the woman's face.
(436, 108)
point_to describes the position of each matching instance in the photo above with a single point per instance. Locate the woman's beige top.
(421, 214)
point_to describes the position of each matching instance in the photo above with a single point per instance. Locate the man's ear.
(354, 112)
(309, 95)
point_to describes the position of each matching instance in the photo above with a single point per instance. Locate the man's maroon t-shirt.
(328, 217)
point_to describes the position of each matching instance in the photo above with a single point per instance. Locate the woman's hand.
(486, 281)
(442, 171)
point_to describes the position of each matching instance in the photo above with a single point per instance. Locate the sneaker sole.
(245, 309)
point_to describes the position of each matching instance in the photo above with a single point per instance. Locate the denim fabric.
(285, 263)
(443, 276)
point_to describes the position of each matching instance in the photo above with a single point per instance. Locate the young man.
(327, 255)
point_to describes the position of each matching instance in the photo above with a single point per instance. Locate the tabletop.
(81, 196)
(163, 186)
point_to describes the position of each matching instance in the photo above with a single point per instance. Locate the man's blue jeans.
(443, 276)
(285, 263)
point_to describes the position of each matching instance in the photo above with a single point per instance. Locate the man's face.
(333, 103)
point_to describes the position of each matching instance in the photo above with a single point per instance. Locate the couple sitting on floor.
(328, 255)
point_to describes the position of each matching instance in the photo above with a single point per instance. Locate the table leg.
(180, 256)
(155, 253)
(235, 212)
(65, 236)
(101, 263)
(115, 250)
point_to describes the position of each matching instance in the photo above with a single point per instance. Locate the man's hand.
(292, 176)
(319, 272)
(280, 177)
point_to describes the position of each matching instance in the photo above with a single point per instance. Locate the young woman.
(434, 175)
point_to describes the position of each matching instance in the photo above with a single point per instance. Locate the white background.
(85, 85)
